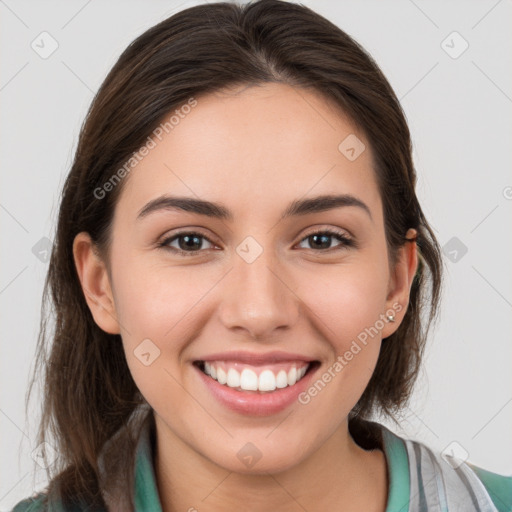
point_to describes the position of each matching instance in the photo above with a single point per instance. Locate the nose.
(258, 298)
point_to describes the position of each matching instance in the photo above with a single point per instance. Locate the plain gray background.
(458, 104)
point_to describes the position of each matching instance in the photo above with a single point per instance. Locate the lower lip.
(254, 403)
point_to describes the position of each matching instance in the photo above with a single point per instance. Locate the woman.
(242, 278)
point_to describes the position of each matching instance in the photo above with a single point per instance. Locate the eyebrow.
(215, 210)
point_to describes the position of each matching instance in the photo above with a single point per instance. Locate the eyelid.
(328, 229)
(185, 231)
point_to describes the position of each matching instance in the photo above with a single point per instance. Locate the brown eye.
(188, 243)
(323, 240)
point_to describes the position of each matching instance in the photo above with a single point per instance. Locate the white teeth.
(248, 380)
(267, 381)
(281, 379)
(233, 378)
(221, 376)
(292, 376)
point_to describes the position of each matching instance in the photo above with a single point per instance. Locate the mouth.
(257, 379)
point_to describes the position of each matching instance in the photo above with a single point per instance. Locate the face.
(254, 287)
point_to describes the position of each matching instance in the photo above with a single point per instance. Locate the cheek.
(159, 309)
(348, 310)
(147, 308)
(153, 301)
(153, 314)
(347, 299)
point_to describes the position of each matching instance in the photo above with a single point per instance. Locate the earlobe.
(401, 281)
(95, 283)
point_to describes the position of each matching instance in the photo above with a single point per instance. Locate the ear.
(400, 283)
(95, 282)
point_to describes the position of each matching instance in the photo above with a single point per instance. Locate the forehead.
(255, 146)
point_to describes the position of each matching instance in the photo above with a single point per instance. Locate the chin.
(259, 457)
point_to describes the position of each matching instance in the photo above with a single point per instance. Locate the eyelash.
(346, 242)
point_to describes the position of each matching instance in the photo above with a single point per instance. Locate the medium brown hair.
(89, 393)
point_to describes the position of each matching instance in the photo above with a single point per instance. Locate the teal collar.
(398, 471)
(146, 492)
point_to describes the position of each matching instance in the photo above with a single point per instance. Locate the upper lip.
(257, 358)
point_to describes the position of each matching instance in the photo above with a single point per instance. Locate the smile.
(263, 379)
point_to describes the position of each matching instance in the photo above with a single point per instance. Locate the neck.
(334, 474)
